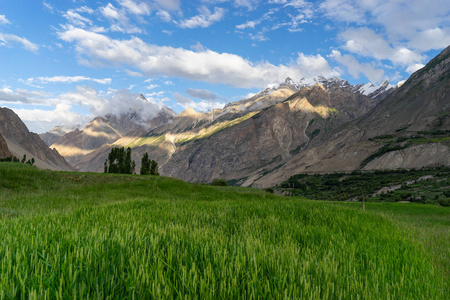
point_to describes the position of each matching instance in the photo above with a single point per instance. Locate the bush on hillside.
(219, 182)
(444, 201)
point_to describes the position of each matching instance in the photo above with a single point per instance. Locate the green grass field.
(77, 235)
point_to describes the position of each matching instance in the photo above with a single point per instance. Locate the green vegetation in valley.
(219, 182)
(421, 185)
(17, 160)
(149, 141)
(78, 235)
(402, 140)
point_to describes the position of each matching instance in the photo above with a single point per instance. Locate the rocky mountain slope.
(4, 151)
(314, 125)
(54, 135)
(408, 129)
(270, 137)
(21, 142)
(98, 135)
(88, 148)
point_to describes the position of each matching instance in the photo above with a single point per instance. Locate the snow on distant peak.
(367, 89)
(373, 91)
(400, 83)
(270, 86)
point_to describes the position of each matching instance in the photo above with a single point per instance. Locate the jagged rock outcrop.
(21, 142)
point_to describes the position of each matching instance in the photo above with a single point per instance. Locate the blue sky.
(65, 62)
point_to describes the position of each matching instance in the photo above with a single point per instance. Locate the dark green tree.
(148, 167)
(145, 165)
(119, 161)
(154, 168)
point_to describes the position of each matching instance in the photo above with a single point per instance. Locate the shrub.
(444, 201)
(269, 190)
(219, 182)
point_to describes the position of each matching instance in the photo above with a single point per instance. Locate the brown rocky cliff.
(417, 109)
(4, 151)
(268, 139)
(14, 130)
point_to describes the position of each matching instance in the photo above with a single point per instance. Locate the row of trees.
(119, 161)
(16, 160)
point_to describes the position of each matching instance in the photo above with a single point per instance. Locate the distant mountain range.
(313, 125)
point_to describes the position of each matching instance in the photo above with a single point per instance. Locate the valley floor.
(79, 235)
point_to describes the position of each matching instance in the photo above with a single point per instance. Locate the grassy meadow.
(90, 236)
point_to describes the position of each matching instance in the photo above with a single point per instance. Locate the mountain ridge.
(20, 141)
(313, 125)
(400, 132)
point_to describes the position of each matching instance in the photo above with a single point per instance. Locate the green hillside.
(79, 235)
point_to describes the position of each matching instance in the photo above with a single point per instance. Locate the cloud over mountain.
(206, 65)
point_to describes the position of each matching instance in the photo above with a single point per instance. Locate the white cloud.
(434, 38)
(141, 8)
(42, 120)
(365, 42)
(198, 47)
(344, 10)
(164, 15)
(253, 24)
(259, 36)
(400, 21)
(88, 98)
(6, 39)
(249, 4)
(414, 67)
(170, 5)
(119, 20)
(22, 96)
(48, 6)
(84, 9)
(4, 20)
(209, 66)
(134, 74)
(355, 68)
(157, 94)
(152, 86)
(205, 19)
(76, 19)
(248, 24)
(111, 12)
(314, 65)
(68, 79)
(202, 106)
(115, 102)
